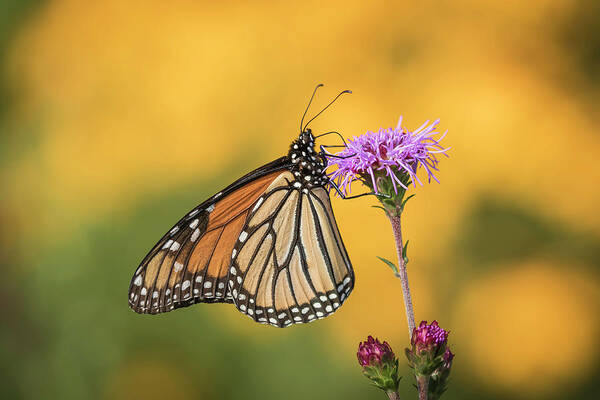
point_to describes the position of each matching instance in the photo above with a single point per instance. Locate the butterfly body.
(268, 243)
(308, 166)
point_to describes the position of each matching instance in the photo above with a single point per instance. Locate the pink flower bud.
(374, 353)
(429, 338)
(379, 364)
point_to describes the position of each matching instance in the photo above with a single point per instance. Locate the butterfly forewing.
(191, 262)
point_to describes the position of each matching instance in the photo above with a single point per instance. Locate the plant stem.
(410, 314)
(393, 395)
(423, 383)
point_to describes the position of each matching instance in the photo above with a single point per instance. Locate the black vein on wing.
(322, 246)
(335, 229)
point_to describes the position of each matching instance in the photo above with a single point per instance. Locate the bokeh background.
(117, 117)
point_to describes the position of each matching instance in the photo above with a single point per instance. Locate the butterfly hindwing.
(290, 265)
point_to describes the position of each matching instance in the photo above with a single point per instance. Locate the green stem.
(423, 383)
(393, 395)
(408, 306)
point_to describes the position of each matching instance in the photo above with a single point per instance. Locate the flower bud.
(448, 357)
(428, 348)
(438, 382)
(379, 364)
(373, 352)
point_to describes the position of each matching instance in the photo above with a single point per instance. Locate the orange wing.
(190, 264)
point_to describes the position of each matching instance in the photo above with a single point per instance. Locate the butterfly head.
(308, 166)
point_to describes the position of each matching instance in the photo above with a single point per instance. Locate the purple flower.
(393, 153)
(374, 353)
(429, 337)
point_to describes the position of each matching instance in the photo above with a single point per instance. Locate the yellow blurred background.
(117, 117)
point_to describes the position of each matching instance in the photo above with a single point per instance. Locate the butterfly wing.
(190, 264)
(290, 264)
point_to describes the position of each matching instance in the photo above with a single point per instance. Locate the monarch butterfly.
(268, 243)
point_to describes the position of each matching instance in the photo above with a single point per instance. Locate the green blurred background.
(117, 117)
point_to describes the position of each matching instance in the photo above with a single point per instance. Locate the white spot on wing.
(258, 203)
(175, 246)
(138, 280)
(195, 235)
(194, 223)
(207, 285)
(243, 236)
(178, 266)
(186, 284)
(211, 208)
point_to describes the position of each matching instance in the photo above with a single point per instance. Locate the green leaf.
(404, 254)
(390, 264)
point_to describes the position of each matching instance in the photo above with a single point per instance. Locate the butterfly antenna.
(308, 106)
(326, 107)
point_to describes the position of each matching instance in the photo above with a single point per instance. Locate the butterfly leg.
(343, 196)
(337, 133)
(324, 153)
